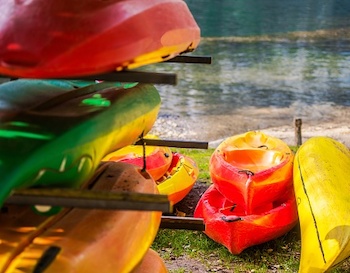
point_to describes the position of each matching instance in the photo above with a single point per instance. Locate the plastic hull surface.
(68, 38)
(252, 169)
(180, 178)
(61, 141)
(321, 183)
(157, 159)
(236, 230)
(78, 240)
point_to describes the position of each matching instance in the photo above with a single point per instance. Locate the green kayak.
(55, 133)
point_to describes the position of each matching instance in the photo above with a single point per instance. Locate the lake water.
(272, 61)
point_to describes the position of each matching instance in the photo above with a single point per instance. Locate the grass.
(279, 255)
(282, 253)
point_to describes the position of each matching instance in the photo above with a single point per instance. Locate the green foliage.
(294, 148)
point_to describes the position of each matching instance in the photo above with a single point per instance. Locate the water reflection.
(253, 17)
(261, 83)
(273, 61)
(258, 74)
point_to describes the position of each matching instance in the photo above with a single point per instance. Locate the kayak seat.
(253, 159)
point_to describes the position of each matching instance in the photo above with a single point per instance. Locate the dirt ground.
(187, 206)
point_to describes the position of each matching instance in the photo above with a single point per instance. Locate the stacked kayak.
(321, 184)
(156, 158)
(78, 240)
(54, 133)
(251, 200)
(91, 37)
(59, 135)
(174, 173)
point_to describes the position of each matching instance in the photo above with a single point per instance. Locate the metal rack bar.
(134, 76)
(89, 199)
(188, 223)
(190, 59)
(127, 76)
(173, 143)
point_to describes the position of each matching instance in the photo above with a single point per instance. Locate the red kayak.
(228, 224)
(68, 38)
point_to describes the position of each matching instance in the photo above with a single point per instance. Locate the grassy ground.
(279, 255)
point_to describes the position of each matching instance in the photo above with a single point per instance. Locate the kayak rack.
(123, 76)
(177, 222)
(131, 76)
(141, 76)
(173, 143)
(190, 59)
(88, 199)
(148, 77)
(106, 200)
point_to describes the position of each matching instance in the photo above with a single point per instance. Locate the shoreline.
(214, 134)
(340, 133)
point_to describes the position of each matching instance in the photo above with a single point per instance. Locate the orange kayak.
(151, 263)
(158, 159)
(69, 38)
(229, 225)
(78, 240)
(252, 170)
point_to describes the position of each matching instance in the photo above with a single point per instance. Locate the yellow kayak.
(180, 178)
(80, 240)
(322, 184)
